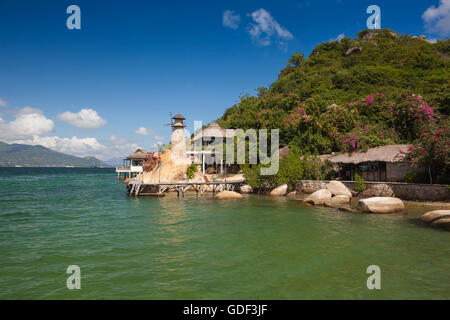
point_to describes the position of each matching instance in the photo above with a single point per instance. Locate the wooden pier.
(138, 188)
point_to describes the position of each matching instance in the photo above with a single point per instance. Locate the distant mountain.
(38, 156)
(114, 161)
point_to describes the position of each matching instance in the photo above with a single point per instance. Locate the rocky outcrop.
(422, 37)
(228, 195)
(292, 193)
(337, 201)
(353, 50)
(168, 171)
(319, 197)
(246, 189)
(279, 191)
(378, 190)
(337, 188)
(437, 218)
(380, 205)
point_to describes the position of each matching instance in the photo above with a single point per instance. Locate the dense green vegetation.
(360, 185)
(384, 92)
(191, 171)
(292, 168)
(39, 156)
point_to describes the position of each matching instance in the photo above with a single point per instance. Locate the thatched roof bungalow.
(139, 154)
(214, 133)
(389, 153)
(376, 164)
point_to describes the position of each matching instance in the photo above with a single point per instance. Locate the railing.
(129, 169)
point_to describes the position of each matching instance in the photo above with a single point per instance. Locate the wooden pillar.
(203, 163)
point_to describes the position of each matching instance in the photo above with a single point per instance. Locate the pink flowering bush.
(297, 115)
(408, 114)
(364, 137)
(432, 151)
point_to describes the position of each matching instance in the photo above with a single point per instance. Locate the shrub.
(191, 171)
(360, 185)
(410, 177)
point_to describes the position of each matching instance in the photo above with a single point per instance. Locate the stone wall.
(396, 171)
(405, 191)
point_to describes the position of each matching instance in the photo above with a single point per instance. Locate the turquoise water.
(201, 248)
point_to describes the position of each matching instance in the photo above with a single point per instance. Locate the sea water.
(200, 248)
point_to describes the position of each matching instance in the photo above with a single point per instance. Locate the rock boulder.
(442, 223)
(338, 188)
(228, 195)
(337, 201)
(437, 218)
(279, 191)
(353, 51)
(434, 215)
(246, 189)
(380, 205)
(319, 197)
(378, 190)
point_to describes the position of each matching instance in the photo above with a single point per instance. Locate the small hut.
(376, 164)
(132, 164)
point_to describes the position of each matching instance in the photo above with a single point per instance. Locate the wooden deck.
(137, 188)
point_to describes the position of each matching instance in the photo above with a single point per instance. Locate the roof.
(387, 153)
(138, 154)
(214, 130)
(178, 116)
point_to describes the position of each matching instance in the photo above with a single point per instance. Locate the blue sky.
(87, 91)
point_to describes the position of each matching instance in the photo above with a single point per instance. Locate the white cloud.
(116, 140)
(85, 119)
(146, 132)
(230, 20)
(118, 147)
(437, 19)
(266, 28)
(338, 38)
(27, 123)
(3, 103)
(143, 131)
(74, 145)
(30, 125)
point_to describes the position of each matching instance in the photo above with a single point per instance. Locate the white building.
(133, 164)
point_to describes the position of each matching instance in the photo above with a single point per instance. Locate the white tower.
(178, 141)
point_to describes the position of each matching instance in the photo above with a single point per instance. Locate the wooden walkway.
(137, 188)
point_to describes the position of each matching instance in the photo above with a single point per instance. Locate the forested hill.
(38, 156)
(357, 93)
